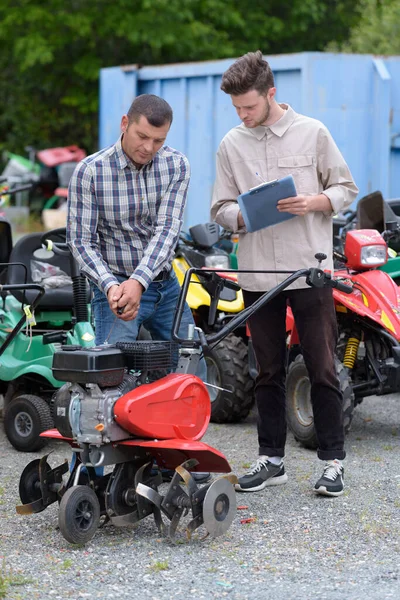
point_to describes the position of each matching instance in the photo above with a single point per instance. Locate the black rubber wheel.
(228, 368)
(29, 484)
(298, 401)
(26, 417)
(79, 514)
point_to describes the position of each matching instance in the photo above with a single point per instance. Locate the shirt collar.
(120, 155)
(123, 160)
(278, 128)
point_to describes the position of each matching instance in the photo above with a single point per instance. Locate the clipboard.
(258, 205)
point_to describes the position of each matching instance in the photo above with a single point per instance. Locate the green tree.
(378, 30)
(51, 52)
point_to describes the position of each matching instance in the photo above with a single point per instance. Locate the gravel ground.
(299, 546)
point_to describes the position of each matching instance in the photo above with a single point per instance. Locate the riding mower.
(368, 350)
(111, 416)
(59, 316)
(230, 384)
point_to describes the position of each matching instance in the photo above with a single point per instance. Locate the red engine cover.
(177, 406)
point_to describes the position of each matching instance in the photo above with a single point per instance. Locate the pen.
(258, 175)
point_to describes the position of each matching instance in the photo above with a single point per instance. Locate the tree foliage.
(378, 30)
(51, 52)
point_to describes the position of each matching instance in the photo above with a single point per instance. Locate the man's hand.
(240, 220)
(297, 205)
(124, 299)
(301, 205)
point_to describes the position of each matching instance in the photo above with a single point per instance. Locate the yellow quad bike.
(230, 381)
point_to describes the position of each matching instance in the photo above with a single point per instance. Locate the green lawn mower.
(35, 320)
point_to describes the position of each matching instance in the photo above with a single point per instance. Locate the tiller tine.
(40, 486)
(231, 478)
(147, 495)
(148, 499)
(213, 505)
(145, 486)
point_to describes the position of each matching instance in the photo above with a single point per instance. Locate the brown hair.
(156, 110)
(249, 72)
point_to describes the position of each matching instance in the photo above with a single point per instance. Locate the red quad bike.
(368, 350)
(112, 416)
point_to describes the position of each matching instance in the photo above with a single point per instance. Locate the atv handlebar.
(342, 287)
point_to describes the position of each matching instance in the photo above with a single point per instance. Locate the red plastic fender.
(176, 406)
(168, 453)
(171, 453)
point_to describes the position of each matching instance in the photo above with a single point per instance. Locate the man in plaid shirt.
(125, 211)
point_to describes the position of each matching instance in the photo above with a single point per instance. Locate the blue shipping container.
(356, 96)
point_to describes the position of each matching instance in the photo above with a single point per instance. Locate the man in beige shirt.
(274, 141)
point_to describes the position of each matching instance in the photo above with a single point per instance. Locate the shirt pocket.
(302, 167)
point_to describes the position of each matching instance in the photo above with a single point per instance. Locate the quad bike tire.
(228, 368)
(298, 402)
(26, 417)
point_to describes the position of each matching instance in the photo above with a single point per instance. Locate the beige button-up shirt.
(294, 145)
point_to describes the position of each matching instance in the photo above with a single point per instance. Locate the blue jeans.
(156, 314)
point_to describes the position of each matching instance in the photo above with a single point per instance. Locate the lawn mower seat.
(23, 252)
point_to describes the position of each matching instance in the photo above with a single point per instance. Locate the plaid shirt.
(123, 220)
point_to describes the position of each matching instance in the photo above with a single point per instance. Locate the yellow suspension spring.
(350, 354)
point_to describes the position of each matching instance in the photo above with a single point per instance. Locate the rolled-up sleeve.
(335, 175)
(82, 221)
(224, 206)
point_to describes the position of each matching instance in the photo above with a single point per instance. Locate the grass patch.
(159, 565)
(66, 564)
(9, 579)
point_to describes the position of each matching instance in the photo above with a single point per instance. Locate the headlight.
(217, 261)
(373, 255)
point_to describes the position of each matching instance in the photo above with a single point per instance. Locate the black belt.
(163, 276)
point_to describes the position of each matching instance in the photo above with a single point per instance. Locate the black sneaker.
(262, 474)
(331, 482)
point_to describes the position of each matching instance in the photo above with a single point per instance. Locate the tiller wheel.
(213, 505)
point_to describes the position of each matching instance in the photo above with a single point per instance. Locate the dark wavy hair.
(249, 72)
(156, 110)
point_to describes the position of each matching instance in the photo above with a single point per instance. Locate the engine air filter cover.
(144, 355)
